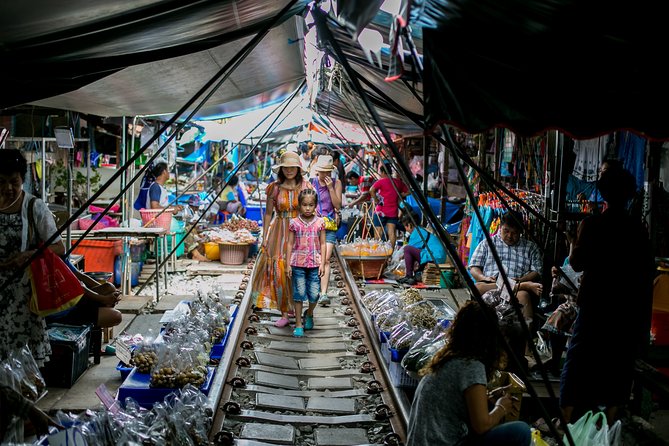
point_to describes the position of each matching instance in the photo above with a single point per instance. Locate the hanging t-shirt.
(589, 156)
(632, 152)
(388, 198)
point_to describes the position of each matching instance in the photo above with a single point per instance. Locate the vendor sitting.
(521, 259)
(422, 247)
(230, 198)
(96, 307)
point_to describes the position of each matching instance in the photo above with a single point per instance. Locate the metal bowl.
(100, 276)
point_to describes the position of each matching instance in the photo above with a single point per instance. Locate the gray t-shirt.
(439, 413)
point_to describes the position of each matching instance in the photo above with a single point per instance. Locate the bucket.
(149, 219)
(447, 279)
(211, 251)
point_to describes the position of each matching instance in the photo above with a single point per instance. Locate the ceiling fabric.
(586, 68)
(57, 47)
(272, 71)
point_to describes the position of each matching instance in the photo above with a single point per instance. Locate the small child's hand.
(289, 271)
(321, 270)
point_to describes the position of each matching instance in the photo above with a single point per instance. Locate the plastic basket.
(399, 377)
(366, 267)
(149, 219)
(232, 254)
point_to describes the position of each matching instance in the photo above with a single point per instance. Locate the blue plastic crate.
(397, 355)
(123, 370)
(218, 349)
(137, 386)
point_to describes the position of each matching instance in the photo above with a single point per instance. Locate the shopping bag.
(615, 434)
(55, 288)
(536, 439)
(589, 430)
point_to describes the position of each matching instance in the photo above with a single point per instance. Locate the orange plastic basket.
(149, 219)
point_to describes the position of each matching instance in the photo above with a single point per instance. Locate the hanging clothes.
(632, 152)
(507, 153)
(589, 156)
(477, 230)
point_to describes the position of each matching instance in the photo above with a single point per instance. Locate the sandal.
(282, 322)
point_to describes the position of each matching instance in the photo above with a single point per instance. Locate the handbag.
(55, 288)
(330, 224)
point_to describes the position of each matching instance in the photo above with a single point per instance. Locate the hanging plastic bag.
(616, 434)
(396, 268)
(589, 430)
(55, 288)
(543, 347)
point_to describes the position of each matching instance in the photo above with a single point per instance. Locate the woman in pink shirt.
(306, 243)
(387, 192)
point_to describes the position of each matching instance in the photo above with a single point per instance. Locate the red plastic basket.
(149, 219)
(99, 255)
(233, 254)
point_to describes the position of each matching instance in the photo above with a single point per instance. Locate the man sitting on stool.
(521, 259)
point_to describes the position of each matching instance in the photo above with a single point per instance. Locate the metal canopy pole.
(44, 195)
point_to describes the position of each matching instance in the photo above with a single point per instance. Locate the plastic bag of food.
(396, 268)
(145, 355)
(27, 386)
(31, 370)
(422, 315)
(403, 335)
(164, 372)
(385, 301)
(423, 350)
(410, 296)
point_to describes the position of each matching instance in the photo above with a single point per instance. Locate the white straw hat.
(324, 163)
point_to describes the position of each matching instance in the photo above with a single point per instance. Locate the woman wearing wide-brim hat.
(329, 205)
(271, 287)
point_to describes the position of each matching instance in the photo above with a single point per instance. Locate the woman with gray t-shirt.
(451, 406)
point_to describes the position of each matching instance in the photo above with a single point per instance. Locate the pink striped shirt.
(307, 247)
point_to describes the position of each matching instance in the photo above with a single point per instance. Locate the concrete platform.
(169, 301)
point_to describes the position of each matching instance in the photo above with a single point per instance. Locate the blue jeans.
(513, 433)
(331, 237)
(306, 284)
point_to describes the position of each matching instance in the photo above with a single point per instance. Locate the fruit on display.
(235, 224)
(195, 376)
(164, 377)
(144, 360)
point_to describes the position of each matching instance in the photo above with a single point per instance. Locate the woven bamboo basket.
(366, 267)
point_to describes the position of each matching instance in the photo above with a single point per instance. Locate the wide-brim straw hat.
(288, 159)
(324, 163)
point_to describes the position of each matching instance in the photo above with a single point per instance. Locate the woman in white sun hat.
(271, 287)
(329, 205)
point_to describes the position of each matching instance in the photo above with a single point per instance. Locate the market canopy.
(145, 57)
(586, 68)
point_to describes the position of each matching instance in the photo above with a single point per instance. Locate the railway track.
(329, 388)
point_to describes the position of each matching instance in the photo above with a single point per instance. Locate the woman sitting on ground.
(421, 248)
(452, 406)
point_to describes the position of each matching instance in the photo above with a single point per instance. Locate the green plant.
(79, 189)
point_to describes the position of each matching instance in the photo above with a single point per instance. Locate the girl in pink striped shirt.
(306, 242)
